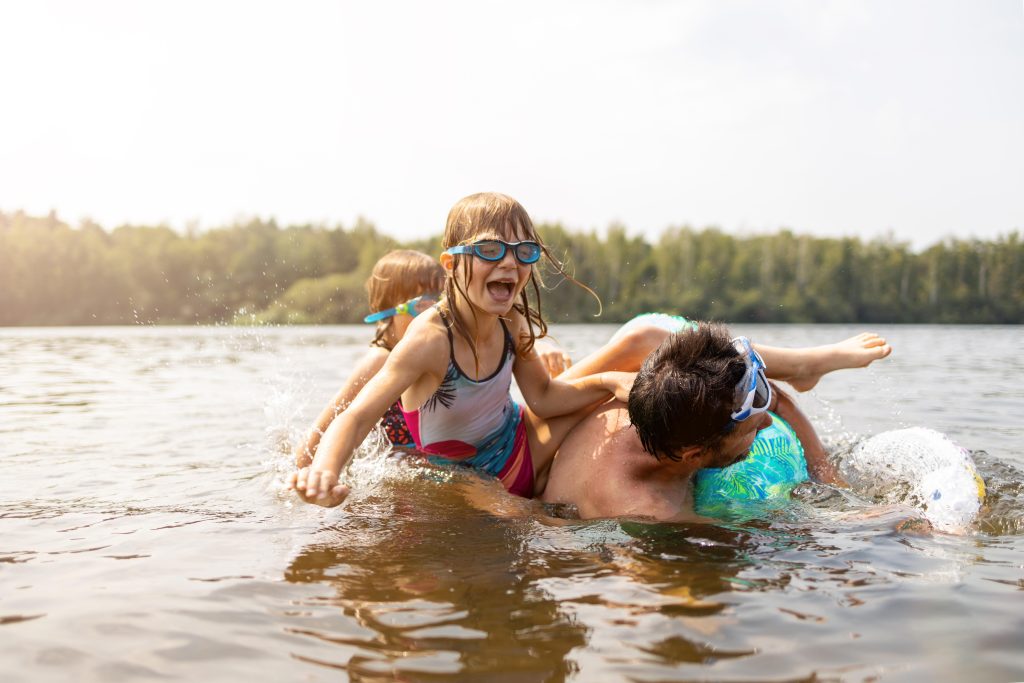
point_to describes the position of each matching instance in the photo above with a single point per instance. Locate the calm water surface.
(144, 533)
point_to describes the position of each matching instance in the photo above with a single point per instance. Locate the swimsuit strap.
(508, 348)
(509, 344)
(475, 422)
(448, 329)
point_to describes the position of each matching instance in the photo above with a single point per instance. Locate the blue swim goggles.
(412, 307)
(494, 250)
(753, 393)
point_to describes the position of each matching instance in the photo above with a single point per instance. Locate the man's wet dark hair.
(684, 393)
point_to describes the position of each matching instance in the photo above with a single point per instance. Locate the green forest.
(52, 273)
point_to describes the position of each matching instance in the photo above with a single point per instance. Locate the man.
(698, 401)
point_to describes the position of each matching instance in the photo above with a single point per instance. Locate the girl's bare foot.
(855, 352)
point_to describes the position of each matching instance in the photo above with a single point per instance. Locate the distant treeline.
(55, 274)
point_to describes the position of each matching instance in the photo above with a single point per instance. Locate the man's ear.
(690, 453)
(447, 262)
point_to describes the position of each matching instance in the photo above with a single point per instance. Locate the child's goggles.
(494, 250)
(411, 307)
(753, 393)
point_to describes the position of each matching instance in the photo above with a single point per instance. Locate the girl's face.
(494, 286)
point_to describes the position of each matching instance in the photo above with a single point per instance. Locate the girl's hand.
(619, 383)
(318, 487)
(554, 357)
(303, 456)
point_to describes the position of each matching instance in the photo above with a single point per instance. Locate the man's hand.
(318, 487)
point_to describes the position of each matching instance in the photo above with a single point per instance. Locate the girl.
(403, 284)
(453, 368)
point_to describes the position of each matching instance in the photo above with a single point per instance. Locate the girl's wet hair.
(398, 276)
(488, 214)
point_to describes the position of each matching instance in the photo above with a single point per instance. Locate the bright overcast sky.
(828, 117)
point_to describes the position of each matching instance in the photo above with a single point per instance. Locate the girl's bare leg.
(804, 367)
(801, 367)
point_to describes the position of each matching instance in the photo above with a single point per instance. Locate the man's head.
(684, 395)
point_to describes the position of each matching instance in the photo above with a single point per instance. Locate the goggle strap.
(380, 315)
(406, 307)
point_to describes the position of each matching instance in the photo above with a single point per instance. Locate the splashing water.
(922, 468)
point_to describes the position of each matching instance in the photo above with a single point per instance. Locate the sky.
(829, 117)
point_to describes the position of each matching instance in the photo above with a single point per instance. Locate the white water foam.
(922, 468)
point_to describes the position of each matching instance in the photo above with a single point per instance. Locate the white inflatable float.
(922, 468)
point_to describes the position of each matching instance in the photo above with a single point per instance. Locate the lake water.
(144, 533)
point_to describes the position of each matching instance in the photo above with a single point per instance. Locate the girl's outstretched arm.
(804, 367)
(548, 397)
(367, 367)
(420, 356)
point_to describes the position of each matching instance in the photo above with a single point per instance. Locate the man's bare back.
(603, 470)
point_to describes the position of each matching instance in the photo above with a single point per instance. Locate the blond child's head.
(396, 278)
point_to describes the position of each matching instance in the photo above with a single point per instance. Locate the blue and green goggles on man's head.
(753, 393)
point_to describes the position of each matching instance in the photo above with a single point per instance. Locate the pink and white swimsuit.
(476, 423)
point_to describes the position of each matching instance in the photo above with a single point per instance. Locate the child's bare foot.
(855, 352)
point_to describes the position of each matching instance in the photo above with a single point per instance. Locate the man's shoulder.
(622, 479)
(613, 419)
(590, 458)
(603, 440)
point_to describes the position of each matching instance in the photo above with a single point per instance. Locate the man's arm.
(818, 464)
(548, 397)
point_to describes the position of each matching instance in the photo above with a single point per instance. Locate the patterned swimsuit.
(395, 427)
(476, 423)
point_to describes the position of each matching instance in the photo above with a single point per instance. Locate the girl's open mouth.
(501, 290)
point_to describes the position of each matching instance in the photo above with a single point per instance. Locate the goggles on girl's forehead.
(412, 307)
(753, 393)
(526, 252)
